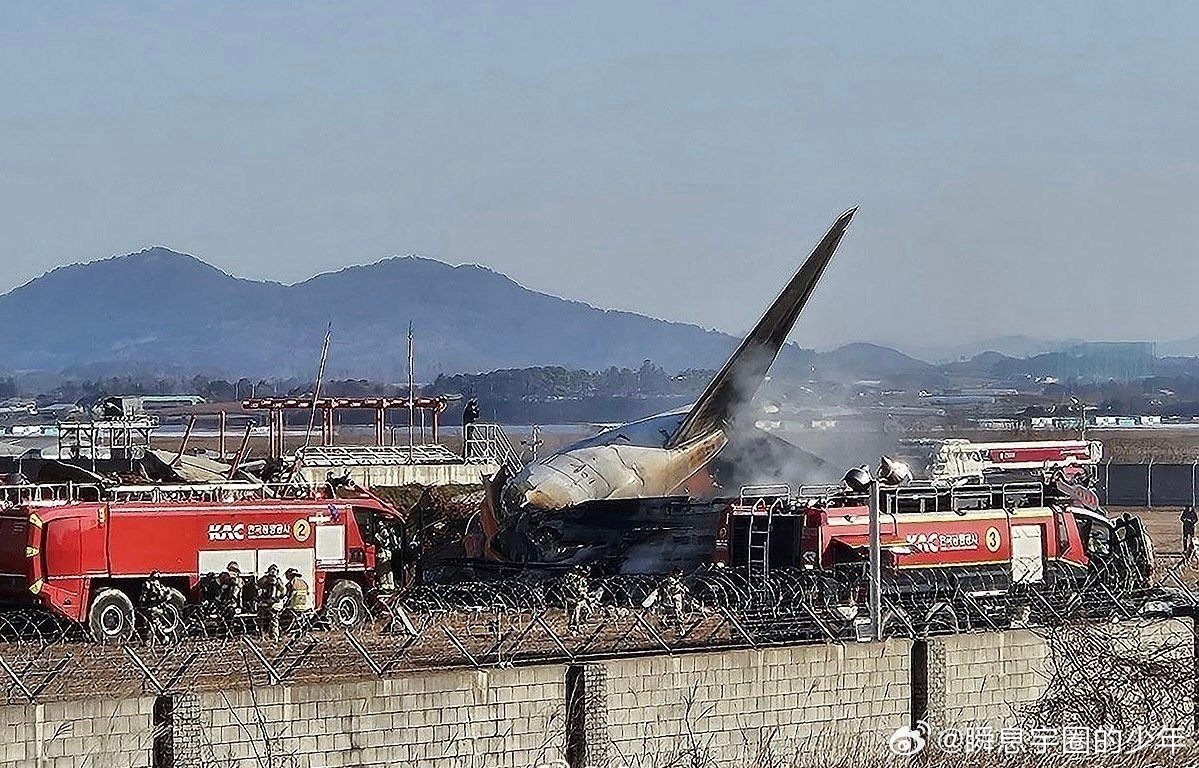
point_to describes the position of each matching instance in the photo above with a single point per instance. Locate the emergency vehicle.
(957, 460)
(953, 555)
(84, 552)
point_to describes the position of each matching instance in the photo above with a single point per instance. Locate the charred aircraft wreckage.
(626, 497)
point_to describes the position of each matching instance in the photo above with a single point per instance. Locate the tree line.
(545, 383)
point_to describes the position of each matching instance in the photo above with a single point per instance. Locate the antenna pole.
(875, 564)
(411, 394)
(316, 390)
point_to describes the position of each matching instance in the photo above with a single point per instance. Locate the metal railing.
(337, 456)
(64, 493)
(488, 444)
(926, 497)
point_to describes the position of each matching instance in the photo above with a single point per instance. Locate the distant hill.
(869, 361)
(1009, 346)
(162, 310)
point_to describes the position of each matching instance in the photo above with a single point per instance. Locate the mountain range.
(161, 310)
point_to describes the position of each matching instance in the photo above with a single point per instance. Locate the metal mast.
(316, 391)
(411, 394)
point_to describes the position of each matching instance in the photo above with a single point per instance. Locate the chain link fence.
(569, 619)
(1148, 485)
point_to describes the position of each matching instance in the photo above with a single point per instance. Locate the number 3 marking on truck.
(993, 539)
(301, 530)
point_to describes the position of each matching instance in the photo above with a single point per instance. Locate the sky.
(1020, 168)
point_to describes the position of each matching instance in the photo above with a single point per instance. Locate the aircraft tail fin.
(738, 381)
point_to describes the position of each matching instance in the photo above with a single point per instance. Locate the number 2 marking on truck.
(301, 530)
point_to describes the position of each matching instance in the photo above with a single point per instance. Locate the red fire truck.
(85, 553)
(952, 554)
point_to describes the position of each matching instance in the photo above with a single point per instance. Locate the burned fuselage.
(528, 515)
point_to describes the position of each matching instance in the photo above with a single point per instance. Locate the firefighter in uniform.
(232, 589)
(385, 550)
(299, 607)
(1134, 555)
(210, 592)
(1136, 541)
(155, 600)
(271, 594)
(1188, 518)
(578, 596)
(676, 598)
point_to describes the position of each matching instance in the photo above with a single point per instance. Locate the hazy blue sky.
(1019, 169)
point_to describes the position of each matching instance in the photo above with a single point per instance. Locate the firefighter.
(385, 549)
(155, 601)
(299, 607)
(232, 589)
(578, 596)
(210, 591)
(271, 595)
(470, 414)
(1133, 550)
(676, 598)
(1188, 518)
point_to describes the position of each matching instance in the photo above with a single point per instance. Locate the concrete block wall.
(984, 678)
(724, 708)
(739, 707)
(494, 718)
(990, 678)
(95, 733)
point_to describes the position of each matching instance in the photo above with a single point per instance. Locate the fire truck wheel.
(111, 616)
(346, 606)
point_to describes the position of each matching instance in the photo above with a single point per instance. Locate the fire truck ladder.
(760, 503)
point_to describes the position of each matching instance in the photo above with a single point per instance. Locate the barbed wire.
(571, 618)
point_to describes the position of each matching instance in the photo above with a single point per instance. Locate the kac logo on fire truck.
(942, 542)
(226, 531)
(243, 531)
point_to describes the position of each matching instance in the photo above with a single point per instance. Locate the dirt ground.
(1168, 445)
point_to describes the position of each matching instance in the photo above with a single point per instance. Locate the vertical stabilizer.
(738, 381)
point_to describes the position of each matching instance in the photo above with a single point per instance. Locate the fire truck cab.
(85, 553)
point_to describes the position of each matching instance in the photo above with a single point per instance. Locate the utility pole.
(411, 394)
(320, 376)
(876, 563)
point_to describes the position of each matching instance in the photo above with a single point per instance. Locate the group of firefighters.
(225, 596)
(581, 600)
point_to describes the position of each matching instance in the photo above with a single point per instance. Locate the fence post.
(1149, 485)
